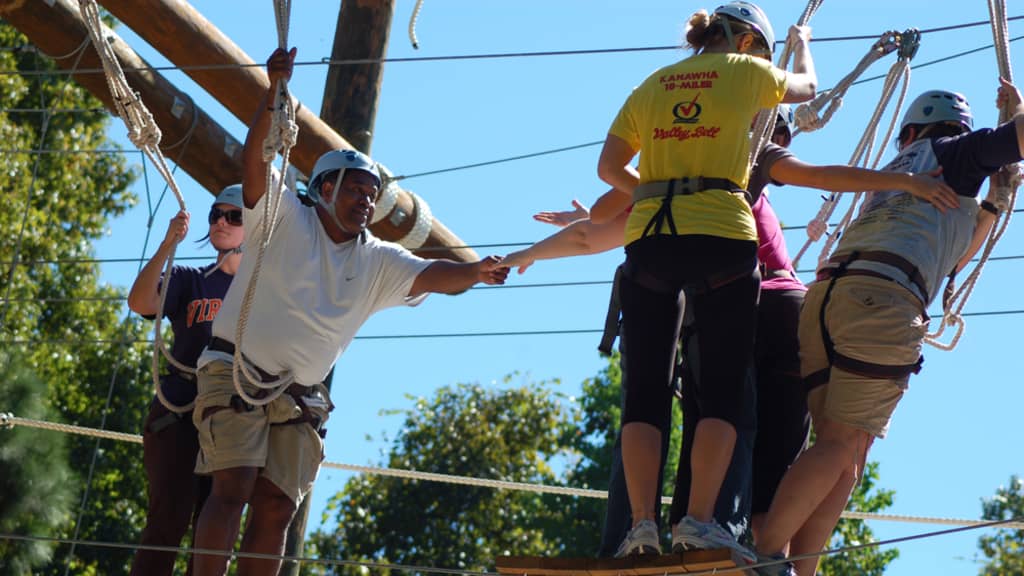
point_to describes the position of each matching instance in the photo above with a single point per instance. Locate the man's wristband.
(989, 207)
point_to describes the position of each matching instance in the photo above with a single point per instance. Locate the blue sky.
(953, 440)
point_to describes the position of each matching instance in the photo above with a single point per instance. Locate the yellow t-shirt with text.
(693, 118)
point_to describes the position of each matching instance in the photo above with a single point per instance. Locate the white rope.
(412, 24)
(144, 133)
(8, 420)
(808, 116)
(1003, 185)
(283, 135)
(861, 156)
(764, 124)
(420, 231)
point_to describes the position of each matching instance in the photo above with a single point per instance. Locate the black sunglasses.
(233, 217)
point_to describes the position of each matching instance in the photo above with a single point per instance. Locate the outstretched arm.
(579, 238)
(1008, 97)
(450, 277)
(851, 179)
(254, 171)
(144, 298)
(564, 218)
(802, 82)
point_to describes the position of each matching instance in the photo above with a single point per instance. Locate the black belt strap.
(889, 259)
(611, 319)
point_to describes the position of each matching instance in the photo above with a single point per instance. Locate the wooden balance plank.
(649, 565)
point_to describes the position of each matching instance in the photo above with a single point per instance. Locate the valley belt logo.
(687, 112)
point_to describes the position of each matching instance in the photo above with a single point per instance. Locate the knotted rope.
(1003, 186)
(144, 133)
(283, 134)
(900, 70)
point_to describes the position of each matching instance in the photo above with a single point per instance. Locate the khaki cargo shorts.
(869, 319)
(287, 455)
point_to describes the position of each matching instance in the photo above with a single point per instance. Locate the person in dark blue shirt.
(170, 441)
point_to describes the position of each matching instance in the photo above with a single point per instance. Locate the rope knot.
(816, 228)
(807, 118)
(5, 420)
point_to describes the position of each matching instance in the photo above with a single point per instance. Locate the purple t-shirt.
(193, 299)
(771, 245)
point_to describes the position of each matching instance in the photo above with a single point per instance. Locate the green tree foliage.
(601, 406)
(510, 434)
(867, 497)
(1004, 550)
(68, 325)
(35, 497)
(514, 435)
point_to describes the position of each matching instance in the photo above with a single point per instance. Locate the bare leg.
(713, 443)
(814, 535)
(812, 479)
(218, 522)
(270, 513)
(641, 457)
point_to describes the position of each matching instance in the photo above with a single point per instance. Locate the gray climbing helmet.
(339, 160)
(939, 106)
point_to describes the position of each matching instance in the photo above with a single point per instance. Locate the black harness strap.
(678, 186)
(842, 361)
(611, 318)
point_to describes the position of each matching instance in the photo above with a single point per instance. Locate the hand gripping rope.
(764, 125)
(145, 135)
(282, 137)
(908, 43)
(1003, 186)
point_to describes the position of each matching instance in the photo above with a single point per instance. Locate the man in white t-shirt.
(322, 275)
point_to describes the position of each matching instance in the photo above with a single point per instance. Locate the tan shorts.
(869, 319)
(287, 455)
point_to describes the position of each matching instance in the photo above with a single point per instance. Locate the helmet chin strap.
(224, 254)
(329, 207)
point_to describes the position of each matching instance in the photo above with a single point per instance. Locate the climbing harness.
(842, 361)
(669, 189)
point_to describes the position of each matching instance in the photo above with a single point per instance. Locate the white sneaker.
(642, 539)
(691, 534)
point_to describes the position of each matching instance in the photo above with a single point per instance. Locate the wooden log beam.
(191, 41)
(352, 92)
(191, 137)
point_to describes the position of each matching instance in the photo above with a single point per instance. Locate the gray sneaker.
(691, 534)
(642, 539)
(779, 566)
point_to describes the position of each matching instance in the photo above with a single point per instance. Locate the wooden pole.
(349, 107)
(191, 41)
(352, 91)
(191, 137)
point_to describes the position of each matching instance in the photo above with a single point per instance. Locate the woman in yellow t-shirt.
(691, 230)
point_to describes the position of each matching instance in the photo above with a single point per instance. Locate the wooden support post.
(352, 91)
(191, 137)
(187, 39)
(349, 107)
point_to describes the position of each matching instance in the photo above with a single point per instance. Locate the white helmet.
(751, 14)
(939, 106)
(339, 160)
(230, 195)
